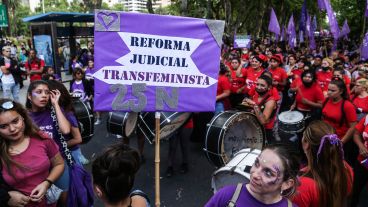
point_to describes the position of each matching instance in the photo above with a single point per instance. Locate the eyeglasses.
(7, 105)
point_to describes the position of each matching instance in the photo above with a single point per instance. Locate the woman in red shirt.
(360, 97)
(264, 105)
(340, 113)
(252, 73)
(327, 179)
(360, 171)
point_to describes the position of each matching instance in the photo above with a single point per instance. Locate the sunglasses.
(7, 105)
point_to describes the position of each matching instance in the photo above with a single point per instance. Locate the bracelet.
(49, 181)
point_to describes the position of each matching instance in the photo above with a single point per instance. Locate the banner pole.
(157, 160)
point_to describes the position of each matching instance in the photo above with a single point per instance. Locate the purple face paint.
(35, 94)
(278, 172)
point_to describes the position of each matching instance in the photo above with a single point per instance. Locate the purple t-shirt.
(224, 195)
(36, 162)
(78, 90)
(89, 73)
(44, 121)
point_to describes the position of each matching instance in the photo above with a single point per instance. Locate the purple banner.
(303, 17)
(274, 25)
(291, 33)
(321, 5)
(345, 29)
(364, 47)
(242, 41)
(334, 27)
(146, 62)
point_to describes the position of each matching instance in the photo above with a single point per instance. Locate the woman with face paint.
(29, 160)
(264, 105)
(40, 99)
(327, 179)
(340, 113)
(273, 178)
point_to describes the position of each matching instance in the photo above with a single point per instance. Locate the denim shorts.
(63, 181)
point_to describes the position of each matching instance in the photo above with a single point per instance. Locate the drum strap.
(290, 204)
(232, 202)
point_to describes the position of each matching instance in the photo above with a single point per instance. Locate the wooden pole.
(157, 160)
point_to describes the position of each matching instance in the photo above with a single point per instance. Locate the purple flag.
(345, 29)
(282, 37)
(366, 9)
(321, 5)
(308, 26)
(364, 47)
(303, 17)
(291, 32)
(334, 27)
(312, 43)
(155, 67)
(274, 25)
(313, 25)
(301, 36)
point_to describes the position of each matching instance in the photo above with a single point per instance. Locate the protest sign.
(146, 62)
(242, 41)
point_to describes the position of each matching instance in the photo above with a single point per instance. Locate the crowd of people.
(328, 168)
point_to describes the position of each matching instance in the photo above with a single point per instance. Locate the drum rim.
(220, 145)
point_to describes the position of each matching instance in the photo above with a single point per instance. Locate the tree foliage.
(252, 17)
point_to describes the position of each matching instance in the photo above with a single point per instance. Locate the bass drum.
(229, 132)
(122, 123)
(236, 171)
(169, 123)
(85, 119)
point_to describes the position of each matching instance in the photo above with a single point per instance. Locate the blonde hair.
(330, 62)
(363, 82)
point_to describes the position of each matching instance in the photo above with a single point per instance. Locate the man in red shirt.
(34, 66)
(223, 90)
(237, 83)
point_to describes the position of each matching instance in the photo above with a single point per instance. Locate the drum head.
(131, 123)
(291, 116)
(242, 130)
(174, 122)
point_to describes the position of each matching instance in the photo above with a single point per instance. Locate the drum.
(122, 123)
(229, 132)
(85, 119)
(237, 170)
(291, 122)
(169, 123)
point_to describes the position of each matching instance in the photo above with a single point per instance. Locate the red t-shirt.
(236, 82)
(271, 121)
(362, 128)
(331, 114)
(251, 76)
(278, 75)
(313, 93)
(361, 103)
(323, 79)
(296, 83)
(35, 65)
(297, 73)
(36, 158)
(307, 191)
(223, 84)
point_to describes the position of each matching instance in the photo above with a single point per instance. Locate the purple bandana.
(334, 140)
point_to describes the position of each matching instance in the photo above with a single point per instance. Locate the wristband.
(49, 181)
